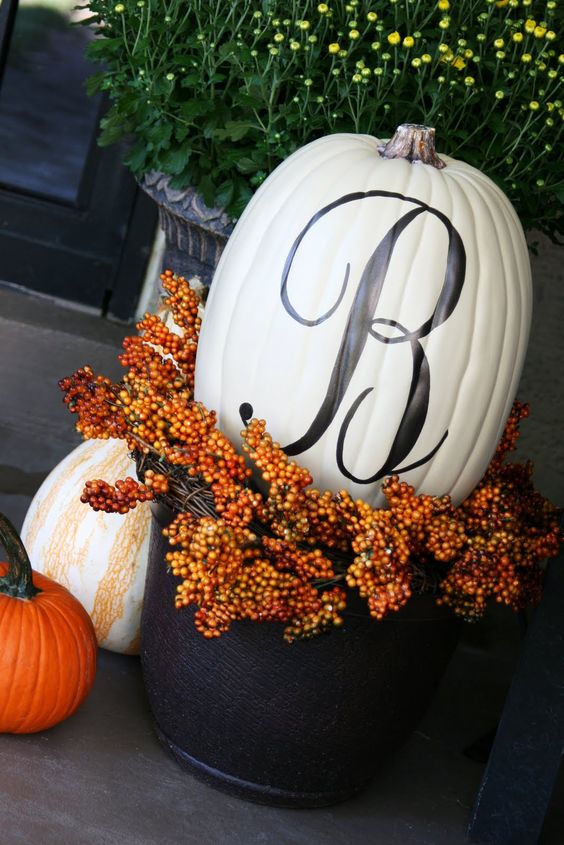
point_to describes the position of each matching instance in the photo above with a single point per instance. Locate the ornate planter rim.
(186, 204)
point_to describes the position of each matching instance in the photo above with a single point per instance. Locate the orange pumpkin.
(48, 645)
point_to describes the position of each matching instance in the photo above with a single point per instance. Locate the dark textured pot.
(195, 235)
(301, 725)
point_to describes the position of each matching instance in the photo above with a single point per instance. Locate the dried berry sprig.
(120, 497)
(230, 573)
(288, 552)
(469, 549)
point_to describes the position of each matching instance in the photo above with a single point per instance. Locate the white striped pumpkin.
(375, 312)
(101, 558)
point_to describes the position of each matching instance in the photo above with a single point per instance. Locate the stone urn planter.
(195, 235)
(301, 725)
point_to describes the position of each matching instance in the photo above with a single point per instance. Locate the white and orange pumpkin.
(375, 311)
(101, 558)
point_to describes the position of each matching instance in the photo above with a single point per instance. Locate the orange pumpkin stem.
(18, 581)
(414, 143)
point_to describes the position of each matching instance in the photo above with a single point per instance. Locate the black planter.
(195, 235)
(301, 725)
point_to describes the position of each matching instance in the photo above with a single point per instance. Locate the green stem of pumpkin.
(18, 581)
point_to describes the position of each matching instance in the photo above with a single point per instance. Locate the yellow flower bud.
(334, 48)
(539, 31)
(526, 58)
(534, 105)
(119, 8)
(394, 38)
(427, 58)
(371, 16)
(517, 37)
(498, 43)
(530, 25)
(408, 41)
(323, 8)
(443, 5)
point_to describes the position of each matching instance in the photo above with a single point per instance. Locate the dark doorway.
(73, 223)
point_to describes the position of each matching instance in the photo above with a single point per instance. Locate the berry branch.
(290, 554)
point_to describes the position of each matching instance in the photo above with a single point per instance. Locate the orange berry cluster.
(115, 498)
(294, 510)
(153, 407)
(288, 552)
(511, 528)
(168, 342)
(157, 482)
(509, 437)
(380, 570)
(95, 401)
(473, 551)
(184, 303)
(231, 573)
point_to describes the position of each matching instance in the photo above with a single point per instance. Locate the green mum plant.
(216, 94)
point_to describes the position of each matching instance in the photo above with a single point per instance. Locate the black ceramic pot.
(301, 725)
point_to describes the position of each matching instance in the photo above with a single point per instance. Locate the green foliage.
(216, 94)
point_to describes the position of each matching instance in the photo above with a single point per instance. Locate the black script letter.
(361, 324)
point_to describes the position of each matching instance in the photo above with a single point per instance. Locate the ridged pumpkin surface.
(47, 657)
(375, 313)
(101, 558)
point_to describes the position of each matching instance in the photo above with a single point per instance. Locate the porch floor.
(102, 777)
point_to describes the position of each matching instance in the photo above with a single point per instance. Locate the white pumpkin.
(101, 558)
(375, 312)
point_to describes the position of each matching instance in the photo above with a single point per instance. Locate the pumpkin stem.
(18, 581)
(414, 143)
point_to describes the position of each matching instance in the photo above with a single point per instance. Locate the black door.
(73, 223)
